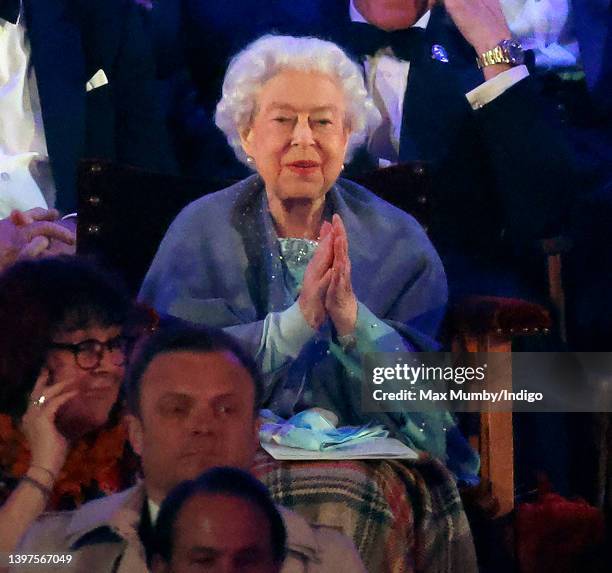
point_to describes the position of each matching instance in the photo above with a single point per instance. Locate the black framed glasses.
(88, 353)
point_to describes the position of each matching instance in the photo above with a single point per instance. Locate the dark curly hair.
(38, 299)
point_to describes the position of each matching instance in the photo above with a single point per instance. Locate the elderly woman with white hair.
(309, 270)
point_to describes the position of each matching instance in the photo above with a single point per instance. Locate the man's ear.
(135, 433)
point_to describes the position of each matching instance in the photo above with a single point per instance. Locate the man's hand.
(482, 24)
(316, 280)
(33, 233)
(340, 301)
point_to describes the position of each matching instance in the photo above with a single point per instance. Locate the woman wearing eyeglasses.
(63, 348)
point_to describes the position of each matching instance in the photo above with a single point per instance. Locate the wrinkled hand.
(481, 22)
(340, 301)
(61, 247)
(30, 234)
(47, 445)
(316, 280)
(58, 243)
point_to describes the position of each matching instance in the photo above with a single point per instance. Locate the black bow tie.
(365, 40)
(9, 10)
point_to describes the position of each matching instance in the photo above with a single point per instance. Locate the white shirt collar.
(356, 16)
(3, 21)
(153, 511)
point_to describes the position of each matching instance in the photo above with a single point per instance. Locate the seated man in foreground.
(193, 396)
(224, 519)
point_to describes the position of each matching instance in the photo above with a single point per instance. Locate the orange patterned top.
(98, 464)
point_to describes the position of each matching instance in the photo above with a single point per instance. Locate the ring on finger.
(39, 402)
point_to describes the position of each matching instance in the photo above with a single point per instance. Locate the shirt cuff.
(284, 335)
(293, 328)
(489, 90)
(374, 335)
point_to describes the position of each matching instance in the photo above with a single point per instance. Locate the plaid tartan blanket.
(403, 516)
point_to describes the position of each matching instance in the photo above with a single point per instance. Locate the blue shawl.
(219, 264)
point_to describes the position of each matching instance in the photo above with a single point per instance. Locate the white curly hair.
(261, 60)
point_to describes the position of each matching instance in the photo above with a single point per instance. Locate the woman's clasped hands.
(327, 291)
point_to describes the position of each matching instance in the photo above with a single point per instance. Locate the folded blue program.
(312, 430)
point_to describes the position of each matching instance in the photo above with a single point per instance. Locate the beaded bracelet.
(348, 342)
(39, 486)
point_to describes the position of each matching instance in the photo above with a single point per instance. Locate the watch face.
(515, 52)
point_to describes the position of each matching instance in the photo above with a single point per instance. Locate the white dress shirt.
(153, 511)
(387, 79)
(25, 176)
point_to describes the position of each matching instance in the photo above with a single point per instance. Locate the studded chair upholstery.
(124, 213)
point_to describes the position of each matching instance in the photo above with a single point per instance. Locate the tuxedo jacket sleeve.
(505, 167)
(530, 161)
(141, 138)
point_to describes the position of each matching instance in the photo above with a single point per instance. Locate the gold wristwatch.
(506, 52)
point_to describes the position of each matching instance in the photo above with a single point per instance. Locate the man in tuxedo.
(77, 81)
(501, 171)
(193, 395)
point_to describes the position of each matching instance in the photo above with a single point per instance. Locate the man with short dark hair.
(226, 520)
(192, 396)
(193, 404)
